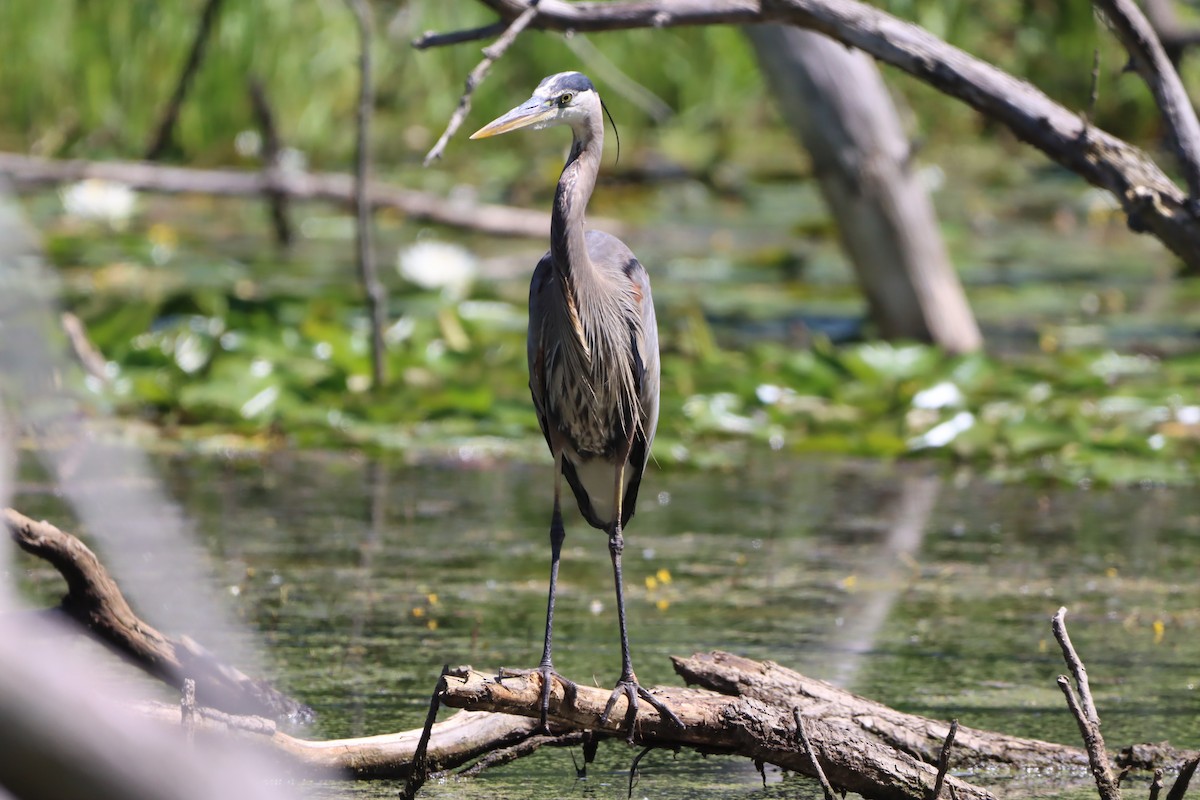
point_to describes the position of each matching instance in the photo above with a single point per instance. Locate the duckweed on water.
(289, 368)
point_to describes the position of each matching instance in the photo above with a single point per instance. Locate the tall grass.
(79, 77)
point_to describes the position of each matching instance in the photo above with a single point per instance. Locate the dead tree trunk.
(836, 103)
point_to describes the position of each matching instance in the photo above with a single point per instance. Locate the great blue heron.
(593, 358)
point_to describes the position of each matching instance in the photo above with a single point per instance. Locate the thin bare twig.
(89, 355)
(166, 126)
(633, 768)
(420, 763)
(522, 748)
(1084, 710)
(944, 760)
(490, 55)
(1075, 664)
(1093, 743)
(1137, 36)
(431, 39)
(802, 730)
(1093, 96)
(272, 146)
(367, 274)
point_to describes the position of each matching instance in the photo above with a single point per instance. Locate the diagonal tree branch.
(166, 125)
(490, 55)
(1152, 202)
(1137, 36)
(94, 601)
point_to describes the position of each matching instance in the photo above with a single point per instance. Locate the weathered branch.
(758, 710)
(95, 601)
(1149, 198)
(921, 737)
(1180, 787)
(717, 723)
(1083, 709)
(1174, 37)
(1150, 60)
(328, 187)
(431, 39)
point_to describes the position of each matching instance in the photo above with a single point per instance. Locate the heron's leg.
(557, 536)
(627, 684)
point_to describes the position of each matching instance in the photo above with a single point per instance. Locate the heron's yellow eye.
(564, 99)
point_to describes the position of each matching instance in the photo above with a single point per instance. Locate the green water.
(920, 589)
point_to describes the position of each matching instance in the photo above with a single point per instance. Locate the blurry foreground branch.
(94, 601)
(29, 171)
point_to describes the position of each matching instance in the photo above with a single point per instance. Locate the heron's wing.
(643, 342)
(539, 297)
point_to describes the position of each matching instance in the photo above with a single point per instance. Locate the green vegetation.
(87, 79)
(261, 355)
(206, 336)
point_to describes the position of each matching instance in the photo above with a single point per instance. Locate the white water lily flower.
(439, 265)
(945, 433)
(99, 200)
(942, 395)
(1188, 415)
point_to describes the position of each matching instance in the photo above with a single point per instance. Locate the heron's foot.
(629, 688)
(548, 675)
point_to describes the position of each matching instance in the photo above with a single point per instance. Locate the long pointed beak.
(528, 113)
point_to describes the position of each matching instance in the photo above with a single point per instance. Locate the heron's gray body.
(593, 360)
(587, 409)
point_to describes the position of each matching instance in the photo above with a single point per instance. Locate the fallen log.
(918, 736)
(718, 723)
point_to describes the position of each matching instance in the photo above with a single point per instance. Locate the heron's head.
(567, 98)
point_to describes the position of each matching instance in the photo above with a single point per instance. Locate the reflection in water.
(882, 575)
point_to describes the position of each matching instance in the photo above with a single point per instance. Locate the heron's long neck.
(570, 201)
